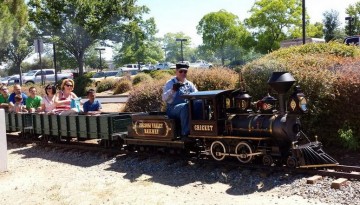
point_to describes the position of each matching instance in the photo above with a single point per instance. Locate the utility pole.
(39, 48)
(181, 41)
(100, 49)
(303, 22)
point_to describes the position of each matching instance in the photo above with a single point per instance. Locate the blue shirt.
(12, 98)
(95, 106)
(172, 97)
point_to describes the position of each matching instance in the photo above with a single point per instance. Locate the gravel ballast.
(39, 175)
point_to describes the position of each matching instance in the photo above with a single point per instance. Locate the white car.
(99, 76)
(165, 65)
(10, 80)
(201, 64)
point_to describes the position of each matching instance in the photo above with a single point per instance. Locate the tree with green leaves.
(80, 24)
(221, 30)
(13, 18)
(312, 31)
(173, 47)
(19, 46)
(140, 44)
(353, 11)
(271, 19)
(331, 24)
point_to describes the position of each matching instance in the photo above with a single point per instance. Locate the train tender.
(228, 124)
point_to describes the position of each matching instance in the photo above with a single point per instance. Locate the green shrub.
(146, 97)
(216, 78)
(157, 74)
(82, 83)
(122, 86)
(162, 74)
(348, 140)
(141, 77)
(327, 76)
(104, 85)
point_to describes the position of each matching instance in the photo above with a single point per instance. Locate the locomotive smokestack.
(281, 82)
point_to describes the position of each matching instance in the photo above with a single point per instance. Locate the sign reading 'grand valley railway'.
(145, 128)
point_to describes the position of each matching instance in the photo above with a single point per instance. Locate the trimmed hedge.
(327, 76)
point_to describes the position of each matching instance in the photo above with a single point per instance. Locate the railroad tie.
(338, 183)
(313, 179)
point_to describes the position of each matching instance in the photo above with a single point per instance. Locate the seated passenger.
(177, 107)
(17, 91)
(18, 106)
(92, 106)
(63, 98)
(33, 102)
(48, 101)
(4, 97)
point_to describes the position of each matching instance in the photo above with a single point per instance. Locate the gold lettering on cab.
(151, 128)
(203, 127)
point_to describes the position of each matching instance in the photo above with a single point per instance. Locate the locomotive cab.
(207, 112)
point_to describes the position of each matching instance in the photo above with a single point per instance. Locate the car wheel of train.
(267, 160)
(291, 162)
(216, 148)
(243, 149)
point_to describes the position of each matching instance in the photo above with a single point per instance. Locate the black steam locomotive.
(228, 124)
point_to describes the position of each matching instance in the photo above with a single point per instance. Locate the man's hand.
(176, 86)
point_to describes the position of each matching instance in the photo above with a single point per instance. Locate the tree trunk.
(80, 61)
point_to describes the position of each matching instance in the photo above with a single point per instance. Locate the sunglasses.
(4, 89)
(49, 88)
(183, 71)
(68, 85)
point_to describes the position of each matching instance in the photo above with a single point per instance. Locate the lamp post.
(303, 22)
(350, 19)
(181, 41)
(100, 49)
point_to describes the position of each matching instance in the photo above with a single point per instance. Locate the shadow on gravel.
(176, 173)
(69, 157)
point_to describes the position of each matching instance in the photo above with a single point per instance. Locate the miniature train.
(229, 125)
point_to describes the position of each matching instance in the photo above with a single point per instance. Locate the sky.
(172, 16)
(184, 15)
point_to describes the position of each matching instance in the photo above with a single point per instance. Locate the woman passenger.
(64, 96)
(48, 101)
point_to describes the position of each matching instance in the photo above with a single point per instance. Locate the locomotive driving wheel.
(244, 149)
(267, 160)
(218, 150)
(291, 162)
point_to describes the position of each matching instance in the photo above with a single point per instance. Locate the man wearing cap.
(177, 107)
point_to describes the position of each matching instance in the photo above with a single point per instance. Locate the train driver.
(177, 107)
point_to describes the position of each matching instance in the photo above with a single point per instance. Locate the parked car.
(99, 76)
(201, 64)
(165, 65)
(135, 66)
(34, 76)
(4, 80)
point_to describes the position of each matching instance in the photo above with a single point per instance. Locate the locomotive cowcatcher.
(226, 123)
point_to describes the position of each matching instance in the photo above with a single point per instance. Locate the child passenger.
(18, 107)
(92, 106)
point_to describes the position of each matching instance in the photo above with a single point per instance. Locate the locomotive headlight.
(303, 104)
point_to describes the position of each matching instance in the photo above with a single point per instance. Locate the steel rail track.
(339, 171)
